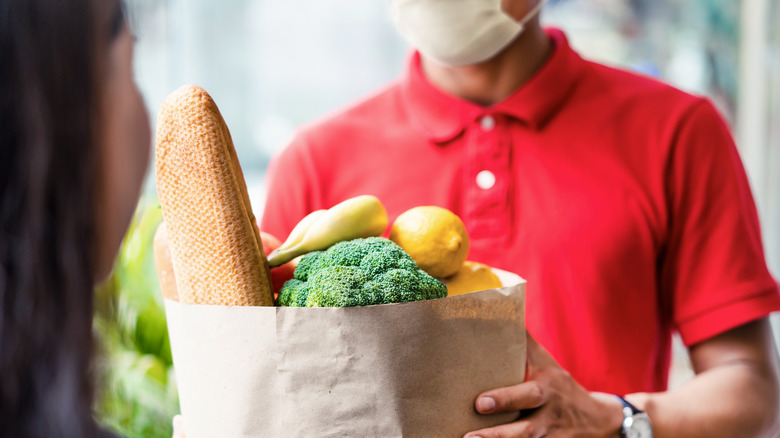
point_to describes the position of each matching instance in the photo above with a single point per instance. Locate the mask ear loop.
(531, 13)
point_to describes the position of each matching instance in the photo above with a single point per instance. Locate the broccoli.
(293, 293)
(358, 272)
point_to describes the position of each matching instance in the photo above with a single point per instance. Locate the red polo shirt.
(621, 200)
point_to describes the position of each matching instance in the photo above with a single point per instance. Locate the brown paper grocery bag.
(394, 370)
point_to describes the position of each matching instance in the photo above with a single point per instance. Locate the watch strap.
(627, 405)
(629, 411)
(636, 422)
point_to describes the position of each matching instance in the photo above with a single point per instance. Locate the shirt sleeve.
(293, 191)
(713, 271)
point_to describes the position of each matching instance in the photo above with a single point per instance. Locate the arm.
(735, 393)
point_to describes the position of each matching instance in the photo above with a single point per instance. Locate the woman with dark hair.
(74, 147)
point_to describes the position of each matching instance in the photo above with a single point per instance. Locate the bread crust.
(164, 264)
(216, 249)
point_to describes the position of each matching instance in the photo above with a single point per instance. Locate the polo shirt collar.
(441, 117)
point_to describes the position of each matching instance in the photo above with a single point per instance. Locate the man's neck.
(494, 80)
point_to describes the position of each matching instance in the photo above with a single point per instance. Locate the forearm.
(734, 394)
(733, 399)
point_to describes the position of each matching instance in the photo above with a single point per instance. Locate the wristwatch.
(636, 423)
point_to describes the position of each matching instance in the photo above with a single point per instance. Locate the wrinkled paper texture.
(395, 370)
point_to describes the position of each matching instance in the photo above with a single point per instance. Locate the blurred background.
(274, 65)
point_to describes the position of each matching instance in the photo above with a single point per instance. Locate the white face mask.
(457, 32)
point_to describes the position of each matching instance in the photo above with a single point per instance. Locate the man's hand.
(552, 404)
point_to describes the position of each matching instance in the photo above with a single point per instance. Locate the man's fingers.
(528, 395)
(530, 428)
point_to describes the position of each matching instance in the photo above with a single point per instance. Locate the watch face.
(640, 427)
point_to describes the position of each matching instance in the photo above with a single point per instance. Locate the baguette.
(215, 246)
(164, 264)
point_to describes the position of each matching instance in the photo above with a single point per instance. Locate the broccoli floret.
(337, 286)
(311, 262)
(429, 287)
(293, 293)
(359, 272)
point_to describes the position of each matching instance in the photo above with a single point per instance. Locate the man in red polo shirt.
(621, 200)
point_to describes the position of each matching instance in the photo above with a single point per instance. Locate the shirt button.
(487, 123)
(486, 180)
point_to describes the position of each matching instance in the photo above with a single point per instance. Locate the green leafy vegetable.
(359, 272)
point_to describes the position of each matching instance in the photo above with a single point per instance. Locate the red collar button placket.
(487, 179)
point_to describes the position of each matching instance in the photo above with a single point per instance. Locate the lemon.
(471, 277)
(434, 237)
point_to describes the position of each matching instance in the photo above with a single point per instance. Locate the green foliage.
(137, 388)
(359, 272)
